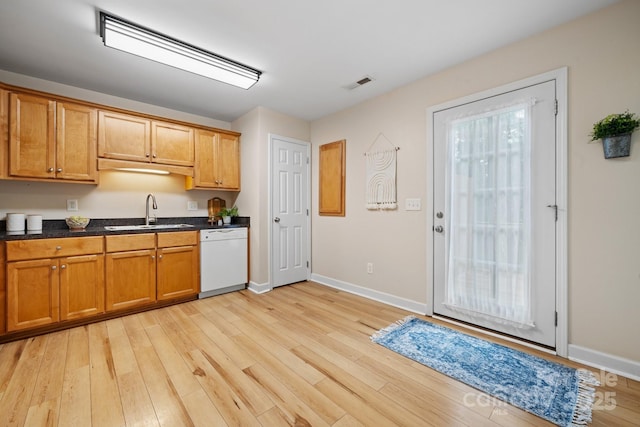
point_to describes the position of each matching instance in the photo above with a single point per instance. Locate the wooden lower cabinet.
(178, 266)
(42, 288)
(3, 290)
(32, 293)
(81, 286)
(130, 279)
(130, 270)
(65, 279)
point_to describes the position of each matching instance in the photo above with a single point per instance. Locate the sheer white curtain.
(489, 227)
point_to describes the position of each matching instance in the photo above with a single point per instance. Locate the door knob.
(276, 219)
(438, 229)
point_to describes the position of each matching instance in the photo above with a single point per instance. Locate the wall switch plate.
(72, 205)
(412, 205)
(369, 268)
(192, 205)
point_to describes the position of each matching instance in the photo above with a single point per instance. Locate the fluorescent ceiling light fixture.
(129, 37)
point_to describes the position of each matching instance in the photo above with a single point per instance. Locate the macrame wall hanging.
(381, 174)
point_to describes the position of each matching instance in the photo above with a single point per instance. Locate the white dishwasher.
(223, 260)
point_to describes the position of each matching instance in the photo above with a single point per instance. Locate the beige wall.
(255, 127)
(603, 58)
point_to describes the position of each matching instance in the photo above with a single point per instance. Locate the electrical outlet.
(72, 205)
(412, 205)
(192, 205)
(369, 268)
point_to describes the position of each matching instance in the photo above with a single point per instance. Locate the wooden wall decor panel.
(332, 176)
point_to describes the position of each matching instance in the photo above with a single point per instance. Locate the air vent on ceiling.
(362, 81)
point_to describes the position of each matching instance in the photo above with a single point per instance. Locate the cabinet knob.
(58, 248)
(53, 267)
(159, 256)
(50, 170)
(146, 154)
(154, 156)
(59, 170)
(153, 257)
(63, 266)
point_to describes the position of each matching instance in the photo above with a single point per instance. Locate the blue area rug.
(557, 393)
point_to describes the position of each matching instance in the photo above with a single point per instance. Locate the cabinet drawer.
(49, 248)
(178, 238)
(131, 242)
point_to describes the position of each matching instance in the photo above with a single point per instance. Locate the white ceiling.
(309, 51)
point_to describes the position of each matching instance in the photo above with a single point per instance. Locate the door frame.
(271, 255)
(560, 75)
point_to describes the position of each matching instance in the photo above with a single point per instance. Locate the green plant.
(229, 212)
(614, 125)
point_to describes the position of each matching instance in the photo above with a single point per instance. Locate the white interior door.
(289, 211)
(495, 213)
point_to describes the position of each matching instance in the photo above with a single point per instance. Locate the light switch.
(72, 205)
(192, 205)
(412, 205)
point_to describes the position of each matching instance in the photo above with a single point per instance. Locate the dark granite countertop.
(58, 227)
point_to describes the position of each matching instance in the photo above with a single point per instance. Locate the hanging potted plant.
(615, 132)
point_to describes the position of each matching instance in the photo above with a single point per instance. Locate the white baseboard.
(403, 303)
(608, 362)
(259, 288)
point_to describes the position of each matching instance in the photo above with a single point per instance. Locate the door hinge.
(556, 318)
(307, 212)
(556, 108)
(308, 158)
(555, 207)
(307, 264)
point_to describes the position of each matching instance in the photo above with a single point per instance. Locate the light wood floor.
(299, 355)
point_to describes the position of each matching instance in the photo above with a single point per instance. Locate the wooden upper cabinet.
(31, 136)
(124, 137)
(76, 138)
(134, 138)
(217, 161)
(228, 162)
(172, 144)
(51, 140)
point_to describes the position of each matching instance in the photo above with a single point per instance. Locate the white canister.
(34, 222)
(15, 222)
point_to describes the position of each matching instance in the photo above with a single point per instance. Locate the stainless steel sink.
(145, 227)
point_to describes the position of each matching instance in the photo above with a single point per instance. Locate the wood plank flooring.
(297, 356)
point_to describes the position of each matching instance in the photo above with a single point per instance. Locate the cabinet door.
(32, 294)
(177, 272)
(81, 286)
(228, 162)
(171, 144)
(31, 136)
(124, 137)
(130, 279)
(205, 170)
(3, 290)
(4, 134)
(217, 161)
(76, 139)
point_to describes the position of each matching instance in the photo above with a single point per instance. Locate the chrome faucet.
(147, 220)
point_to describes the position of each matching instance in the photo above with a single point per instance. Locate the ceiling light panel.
(128, 37)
